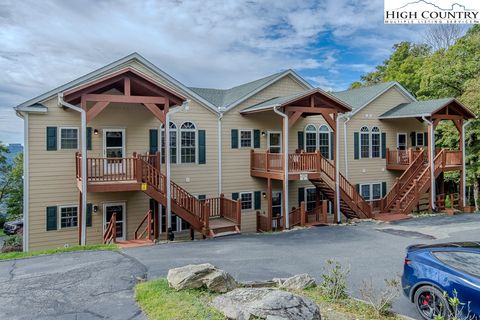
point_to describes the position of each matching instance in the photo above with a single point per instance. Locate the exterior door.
(119, 209)
(114, 150)
(274, 142)
(276, 206)
(401, 141)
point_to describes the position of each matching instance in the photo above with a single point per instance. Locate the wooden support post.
(156, 220)
(302, 214)
(269, 206)
(239, 213)
(222, 201)
(460, 148)
(324, 211)
(387, 156)
(149, 224)
(79, 218)
(206, 217)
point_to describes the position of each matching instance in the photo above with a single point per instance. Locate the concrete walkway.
(92, 285)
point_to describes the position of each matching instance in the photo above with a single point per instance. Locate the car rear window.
(468, 262)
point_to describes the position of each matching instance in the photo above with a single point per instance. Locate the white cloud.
(44, 44)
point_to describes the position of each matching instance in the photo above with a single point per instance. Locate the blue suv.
(434, 272)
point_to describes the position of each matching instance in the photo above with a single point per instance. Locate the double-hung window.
(324, 141)
(371, 191)
(173, 142)
(245, 138)
(68, 138)
(310, 138)
(419, 139)
(68, 216)
(246, 199)
(188, 145)
(364, 142)
(375, 142)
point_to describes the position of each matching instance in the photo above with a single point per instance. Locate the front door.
(401, 141)
(274, 142)
(119, 209)
(276, 206)
(114, 150)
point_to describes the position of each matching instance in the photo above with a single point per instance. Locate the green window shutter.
(384, 189)
(301, 144)
(257, 196)
(201, 197)
(89, 214)
(153, 141)
(51, 138)
(202, 150)
(51, 218)
(356, 147)
(357, 186)
(256, 138)
(332, 142)
(301, 195)
(152, 204)
(413, 137)
(384, 145)
(234, 139)
(89, 138)
(425, 139)
(235, 196)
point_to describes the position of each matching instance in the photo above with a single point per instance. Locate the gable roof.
(421, 109)
(284, 100)
(361, 97)
(226, 99)
(25, 106)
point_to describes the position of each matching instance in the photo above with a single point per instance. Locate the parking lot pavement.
(91, 285)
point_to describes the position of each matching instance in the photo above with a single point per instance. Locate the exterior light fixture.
(264, 194)
(95, 132)
(263, 134)
(95, 209)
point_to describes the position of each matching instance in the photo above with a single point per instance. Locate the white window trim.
(253, 200)
(240, 138)
(369, 143)
(104, 143)
(281, 140)
(59, 215)
(370, 184)
(329, 133)
(379, 140)
(422, 134)
(59, 134)
(179, 143)
(160, 135)
(305, 132)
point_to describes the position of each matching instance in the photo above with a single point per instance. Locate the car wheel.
(430, 303)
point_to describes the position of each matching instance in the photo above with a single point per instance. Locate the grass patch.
(160, 302)
(19, 255)
(2, 233)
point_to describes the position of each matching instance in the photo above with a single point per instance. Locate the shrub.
(13, 243)
(334, 280)
(381, 300)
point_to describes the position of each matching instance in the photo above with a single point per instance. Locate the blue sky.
(44, 44)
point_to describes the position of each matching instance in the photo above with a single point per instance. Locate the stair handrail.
(110, 234)
(328, 169)
(439, 162)
(403, 180)
(148, 228)
(414, 191)
(320, 213)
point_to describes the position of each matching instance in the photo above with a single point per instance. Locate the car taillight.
(407, 261)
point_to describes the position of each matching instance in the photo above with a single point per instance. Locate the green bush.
(15, 240)
(334, 280)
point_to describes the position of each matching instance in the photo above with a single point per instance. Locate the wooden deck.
(401, 159)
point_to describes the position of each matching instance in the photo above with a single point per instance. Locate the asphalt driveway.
(89, 285)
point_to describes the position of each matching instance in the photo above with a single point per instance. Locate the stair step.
(226, 233)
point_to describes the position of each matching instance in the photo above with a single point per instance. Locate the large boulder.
(266, 303)
(195, 276)
(298, 282)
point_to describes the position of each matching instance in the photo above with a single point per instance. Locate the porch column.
(269, 209)
(336, 203)
(461, 193)
(431, 158)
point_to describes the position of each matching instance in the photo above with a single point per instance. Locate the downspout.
(432, 157)
(345, 147)
(26, 182)
(166, 127)
(337, 171)
(464, 172)
(83, 115)
(285, 162)
(219, 137)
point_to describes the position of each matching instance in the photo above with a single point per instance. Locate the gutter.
(166, 127)
(285, 162)
(432, 167)
(464, 172)
(219, 137)
(83, 114)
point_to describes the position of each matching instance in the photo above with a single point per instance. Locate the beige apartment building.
(259, 156)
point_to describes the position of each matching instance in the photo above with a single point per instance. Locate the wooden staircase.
(352, 205)
(412, 184)
(202, 215)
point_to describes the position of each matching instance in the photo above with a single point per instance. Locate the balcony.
(301, 166)
(401, 159)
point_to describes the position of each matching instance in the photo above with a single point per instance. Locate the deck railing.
(401, 157)
(224, 208)
(453, 158)
(297, 162)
